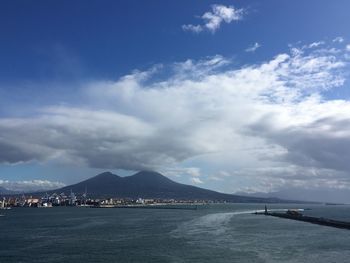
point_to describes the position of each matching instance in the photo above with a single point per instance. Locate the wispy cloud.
(180, 171)
(316, 44)
(253, 47)
(196, 180)
(213, 19)
(338, 39)
(31, 185)
(192, 28)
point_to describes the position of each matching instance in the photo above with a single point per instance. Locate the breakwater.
(295, 215)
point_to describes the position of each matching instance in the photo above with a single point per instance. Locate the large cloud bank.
(269, 119)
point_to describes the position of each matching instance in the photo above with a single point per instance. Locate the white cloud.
(195, 29)
(253, 47)
(316, 44)
(338, 39)
(196, 180)
(213, 19)
(266, 125)
(30, 185)
(178, 172)
(348, 47)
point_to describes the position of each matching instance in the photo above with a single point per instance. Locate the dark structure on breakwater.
(296, 215)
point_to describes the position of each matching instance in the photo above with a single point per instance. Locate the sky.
(234, 96)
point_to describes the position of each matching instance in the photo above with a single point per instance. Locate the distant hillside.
(147, 184)
(4, 191)
(310, 195)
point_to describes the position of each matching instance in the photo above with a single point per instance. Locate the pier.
(296, 215)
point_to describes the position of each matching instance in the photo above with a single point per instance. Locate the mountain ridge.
(150, 184)
(5, 191)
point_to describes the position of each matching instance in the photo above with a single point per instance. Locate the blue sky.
(111, 39)
(207, 92)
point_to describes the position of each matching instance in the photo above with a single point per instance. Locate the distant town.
(71, 199)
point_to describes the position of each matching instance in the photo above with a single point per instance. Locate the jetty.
(294, 214)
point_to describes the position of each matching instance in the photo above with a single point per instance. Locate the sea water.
(213, 233)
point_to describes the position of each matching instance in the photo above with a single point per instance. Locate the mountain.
(4, 191)
(148, 184)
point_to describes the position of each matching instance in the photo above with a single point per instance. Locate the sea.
(212, 233)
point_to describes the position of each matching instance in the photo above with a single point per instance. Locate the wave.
(212, 224)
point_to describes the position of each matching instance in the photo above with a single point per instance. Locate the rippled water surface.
(215, 233)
